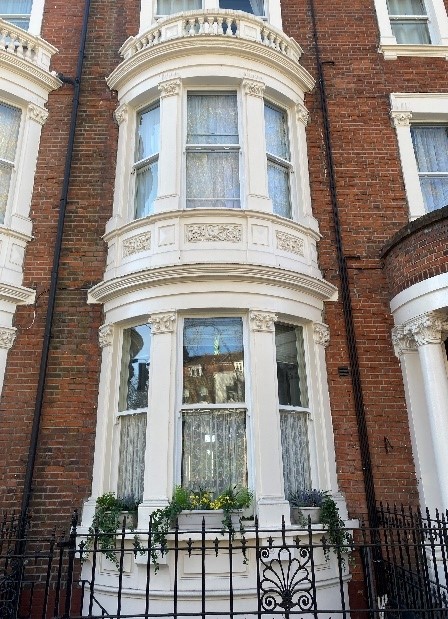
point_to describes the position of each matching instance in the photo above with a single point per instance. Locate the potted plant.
(111, 514)
(188, 507)
(306, 505)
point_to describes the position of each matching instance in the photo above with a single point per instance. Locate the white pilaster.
(122, 209)
(271, 504)
(427, 331)
(255, 163)
(103, 438)
(168, 190)
(300, 176)
(159, 440)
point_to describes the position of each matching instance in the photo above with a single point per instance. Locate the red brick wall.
(417, 252)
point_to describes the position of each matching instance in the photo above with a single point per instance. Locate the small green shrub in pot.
(306, 504)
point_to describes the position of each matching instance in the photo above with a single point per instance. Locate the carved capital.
(302, 113)
(162, 323)
(289, 242)
(196, 233)
(7, 337)
(170, 88)
(321, 334)
(136, 244)
(37, 113)
(121, 113)
(403, 342)
(401, 118)
(428, 328)
(254, 88)
(262, 321)
(105, 335)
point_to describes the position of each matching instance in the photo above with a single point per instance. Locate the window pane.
(213, 179)
(214, 449)
(15, 7)
(212, 119)
(278, 187)
(9, 131)
(431, 148)
(5, 181)
(435, 192)
(135, 368)
(169, 7)
(411, 32)
(148, 139)
(145, 189)
(250, 6)
(296, 465)
(291, 373)
(213, 360)
(276, 130)
(406, 7)
(131, 466)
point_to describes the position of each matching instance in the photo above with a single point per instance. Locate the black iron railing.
(397, 570)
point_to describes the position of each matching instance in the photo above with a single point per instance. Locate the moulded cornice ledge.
(19, 295)
(391, 52)
(28, 70)
(108, 290)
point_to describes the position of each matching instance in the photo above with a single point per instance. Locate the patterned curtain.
(131, 465)
(214, 449)
(296, 464)
(431, 151)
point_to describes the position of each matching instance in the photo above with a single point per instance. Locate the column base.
(270, 511)
(164, 204)
(149, 506)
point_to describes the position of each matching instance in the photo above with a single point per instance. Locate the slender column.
(255, 167)
(422, 448)
(159, 440)
(122, 209)
(427, 331)
(103, 438)
(271, 504)
(300, 175)
(168, 190)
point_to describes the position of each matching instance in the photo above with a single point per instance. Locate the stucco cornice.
(111, 289)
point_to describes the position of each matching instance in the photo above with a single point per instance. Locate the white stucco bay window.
(412, 28)
(421, 123)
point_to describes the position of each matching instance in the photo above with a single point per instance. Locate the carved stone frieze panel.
(230, 233)
(136, 244)
(262, 321)
(289, 242)
(162, 323)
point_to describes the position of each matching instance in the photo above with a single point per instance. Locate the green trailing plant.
(107, 521)
(163, 520)
(338, 536)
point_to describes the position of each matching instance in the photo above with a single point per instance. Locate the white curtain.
(5, 181)
(213, 179)
(406, 7)
(169, 7)
(212, 119)
(146, 179)
(296, 465)
(278, 188)
(15, 7)
(276, 131)
(431, 151)
(257, 7)
(9, 131)
(214, 449)
(131, 465)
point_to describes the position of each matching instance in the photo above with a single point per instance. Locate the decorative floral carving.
(170, 88)
(105, 335)
(427, 328)
(162, 323)
(121, 113)
(303, 115)
(321, 333)
(401, 118)
(37, 113)
(254, 88)
(7, 337)
(262, 321)
(231, 233)
(289, 242)
(135, 244)
(403, 342)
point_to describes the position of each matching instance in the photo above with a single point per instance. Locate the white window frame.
(418, 108)
(438, 31)
(148, 12)
(180, 406)
(139, 164)
(11, 164)
(37, 10)
(286, 164)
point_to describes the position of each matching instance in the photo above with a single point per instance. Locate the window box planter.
(129, 519)
(191, 520)
(300, 515)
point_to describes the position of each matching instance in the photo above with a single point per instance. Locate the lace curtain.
(276, 134)
(294, 437)
(131, 465)
(431, 151)
(146, 167)
(9, 132)
(406, 7)
(214, 449)
(169, 7)
(145, 189)
(409, 32)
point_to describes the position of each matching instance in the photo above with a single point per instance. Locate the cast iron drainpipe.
(76, 82)
(345, 294)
